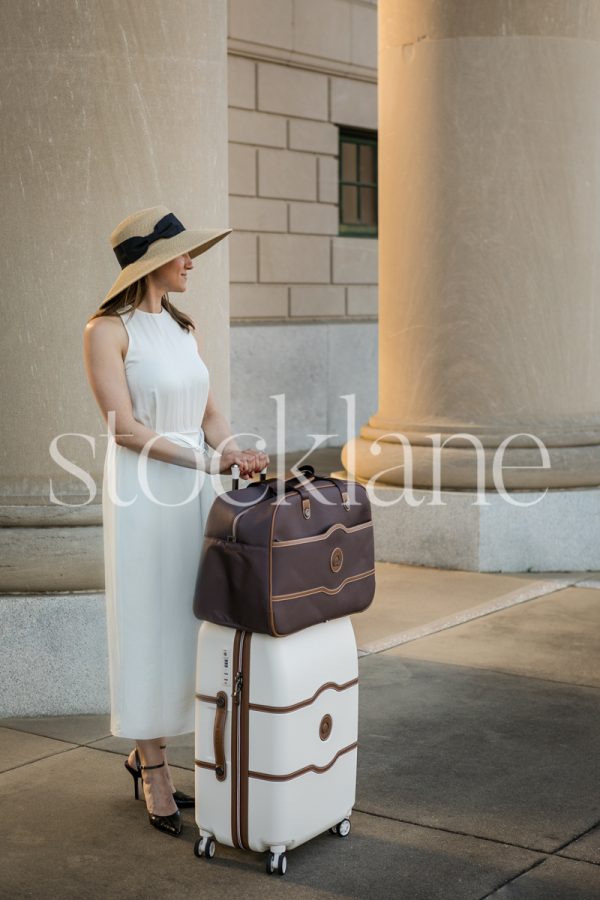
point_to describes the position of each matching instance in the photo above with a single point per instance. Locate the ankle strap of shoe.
(159, 766)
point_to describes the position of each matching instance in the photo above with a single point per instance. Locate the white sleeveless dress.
(154, 516)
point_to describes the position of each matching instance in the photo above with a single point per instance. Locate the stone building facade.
(303, 295)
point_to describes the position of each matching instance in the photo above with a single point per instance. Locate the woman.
(144, 366)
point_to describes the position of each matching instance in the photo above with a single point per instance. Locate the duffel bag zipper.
(233, 536)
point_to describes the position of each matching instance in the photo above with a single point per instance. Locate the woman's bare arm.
(216, 428)
(104, 346)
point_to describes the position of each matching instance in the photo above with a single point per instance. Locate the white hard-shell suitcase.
(276, 737)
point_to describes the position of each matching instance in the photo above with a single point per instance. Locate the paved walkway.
(479, 765)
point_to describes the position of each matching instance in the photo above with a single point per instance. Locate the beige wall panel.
(307, 300)
(253, 214)
(314, 218)
(362, 300)
(354, 102)
(243, 257)
(260, 300)
(355, 260)
(262, 21)
(286, 173)
(292, 91)
(241, 82)
(242, 169)
(364, 36)
(319, 137)
(328, 179)
(294, 258)
(251, 127)
(323, 28)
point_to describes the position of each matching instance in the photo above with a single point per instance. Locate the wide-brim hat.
(152, 237)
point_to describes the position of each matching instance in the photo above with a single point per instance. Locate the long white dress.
(154, 516)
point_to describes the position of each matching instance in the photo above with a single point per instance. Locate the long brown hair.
(133, 295)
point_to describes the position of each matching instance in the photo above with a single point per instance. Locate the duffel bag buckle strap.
(306, 507)
(345, 500)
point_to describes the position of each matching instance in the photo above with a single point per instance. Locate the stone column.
(489, 240)
(108, 106)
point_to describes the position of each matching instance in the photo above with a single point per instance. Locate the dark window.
(358, 182)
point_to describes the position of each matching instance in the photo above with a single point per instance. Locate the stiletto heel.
(171, 824)
(136, 773)
(183, 801)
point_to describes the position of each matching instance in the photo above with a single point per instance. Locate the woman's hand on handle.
(249, 461)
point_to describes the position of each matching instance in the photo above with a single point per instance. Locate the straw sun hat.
(151, 237)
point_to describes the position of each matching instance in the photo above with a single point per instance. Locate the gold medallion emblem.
(325, 727)
(337, 558)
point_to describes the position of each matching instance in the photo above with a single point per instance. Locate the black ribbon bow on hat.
(133, 248)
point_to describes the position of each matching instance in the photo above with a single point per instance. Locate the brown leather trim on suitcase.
(245, 743)
(312, 768)
(324, 536)
(207, 698)
(202, 764)
(219, 736)
(322, 589)
(260, 707)
(234, 753)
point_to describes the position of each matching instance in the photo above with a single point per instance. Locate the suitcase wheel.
(276, 862)
(205, 846)
(342, 829)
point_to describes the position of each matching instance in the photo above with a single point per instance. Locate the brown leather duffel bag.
(286, 555)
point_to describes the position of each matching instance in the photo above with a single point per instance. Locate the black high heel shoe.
(136, 773)
(183, 801)
(170, 824)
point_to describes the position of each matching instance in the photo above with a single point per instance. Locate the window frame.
(358, 136)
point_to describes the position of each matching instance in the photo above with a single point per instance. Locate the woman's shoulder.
(107, 329)
(198, 337)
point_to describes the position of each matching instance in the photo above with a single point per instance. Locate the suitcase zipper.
(239, 741)
(239, 680)
(236, 739)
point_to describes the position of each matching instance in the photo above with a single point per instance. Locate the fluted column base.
(532, 531)
(460, 456)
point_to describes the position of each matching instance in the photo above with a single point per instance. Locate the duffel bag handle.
(277, 483)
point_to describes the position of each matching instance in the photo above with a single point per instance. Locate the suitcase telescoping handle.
(235, 476)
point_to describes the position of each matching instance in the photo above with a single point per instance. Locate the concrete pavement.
(479, 771)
